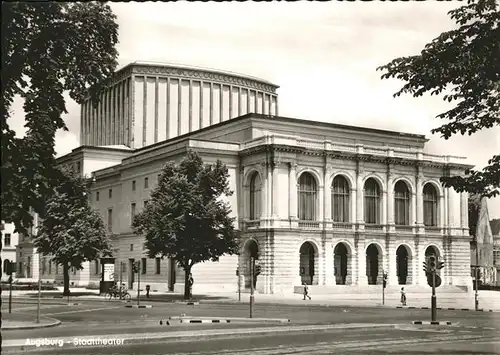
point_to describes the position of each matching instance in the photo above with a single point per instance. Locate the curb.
(54, 323)
(138, 306)
(450, 309)
(205, 321)
(419, 322)
(188, 303)
(188, 319)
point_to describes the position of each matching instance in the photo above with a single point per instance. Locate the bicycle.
(114, 293)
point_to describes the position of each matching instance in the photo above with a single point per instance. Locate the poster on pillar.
(109, 272)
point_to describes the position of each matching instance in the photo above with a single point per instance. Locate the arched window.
(255, 196)
(401, 204)
(307, 197)
(372, 201)
(340, 199)
(430, 205)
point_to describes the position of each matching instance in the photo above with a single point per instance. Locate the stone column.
(168, 108)
(390, 200)
(242, 197)
(292, 185)
(239, 100)
(248, 100)
(361, 257)
(328, 195)
(266, 180)
(442, 210)
(275, 190)
(419, 204)
(211, 104)
(190, 129)
(269, 189)
(201, 105)
(230, 101)
(144, 112)
(179, 108)
(156, 108)
(464, 215)
(82, 123)
(359, 197)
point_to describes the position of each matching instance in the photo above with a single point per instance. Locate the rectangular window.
(7, 240)
(145, 203)
(110, 220)
(57, 269)
(50, 267)
(133, 185)
(146, 183)
(97, 196)
(78, 167)
(96, 265)
(131, 247)
(110, 193)
(158, 264)
(132, 212)
(143, 266)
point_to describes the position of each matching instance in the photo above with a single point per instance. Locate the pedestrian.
(190, 283)
(403, 296)
(306, 291)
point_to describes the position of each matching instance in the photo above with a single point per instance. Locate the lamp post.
(476, 276)
(39, 292)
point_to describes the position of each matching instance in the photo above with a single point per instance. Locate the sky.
(323, 55)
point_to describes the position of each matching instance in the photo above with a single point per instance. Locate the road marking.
(81, 311)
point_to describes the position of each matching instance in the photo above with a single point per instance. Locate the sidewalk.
(488, 300)
(16, 321)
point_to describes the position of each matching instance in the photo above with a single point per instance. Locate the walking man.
(306, 291)
(403, 296)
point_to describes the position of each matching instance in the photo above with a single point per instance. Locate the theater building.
(330, 205)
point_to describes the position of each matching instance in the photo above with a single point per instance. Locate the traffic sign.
(438, 280)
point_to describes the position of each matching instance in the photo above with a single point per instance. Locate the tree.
(474, 207)
(464, 64)
(71, 231)
(49, 48)
(186, 218)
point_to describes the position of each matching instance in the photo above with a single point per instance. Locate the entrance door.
(131, 275)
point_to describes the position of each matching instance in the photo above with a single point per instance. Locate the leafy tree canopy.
(48, 48)
(71, 231)
(463, 64)
(186, 218)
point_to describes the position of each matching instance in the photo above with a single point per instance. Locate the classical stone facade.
(329, 205)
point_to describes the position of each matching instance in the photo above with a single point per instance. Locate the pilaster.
(419, 205)
(327, 206)
(390, 257)
(359, 197)
(360, 255)
(275, 189)
(390, 199)
(292, 175)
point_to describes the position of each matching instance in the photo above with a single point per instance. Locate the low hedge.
(26, 286)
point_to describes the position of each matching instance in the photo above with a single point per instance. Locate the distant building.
(319, 203)
(9, 244)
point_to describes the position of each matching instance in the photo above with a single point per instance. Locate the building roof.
(183, 66)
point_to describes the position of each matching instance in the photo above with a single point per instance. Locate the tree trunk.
(66, 279)
(187, 287)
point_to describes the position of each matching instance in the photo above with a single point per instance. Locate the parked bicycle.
(120, 293)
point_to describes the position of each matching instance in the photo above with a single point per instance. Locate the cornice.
(201, 74)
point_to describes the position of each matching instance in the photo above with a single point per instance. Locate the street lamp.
(476, 276)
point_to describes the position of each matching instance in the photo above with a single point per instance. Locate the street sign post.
(11, 268)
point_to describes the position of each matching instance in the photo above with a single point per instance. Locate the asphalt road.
(472, 332)
(389, 340)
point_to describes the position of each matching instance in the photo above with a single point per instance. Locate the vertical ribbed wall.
(149, 105)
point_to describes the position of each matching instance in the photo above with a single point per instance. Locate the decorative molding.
(204, 75)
